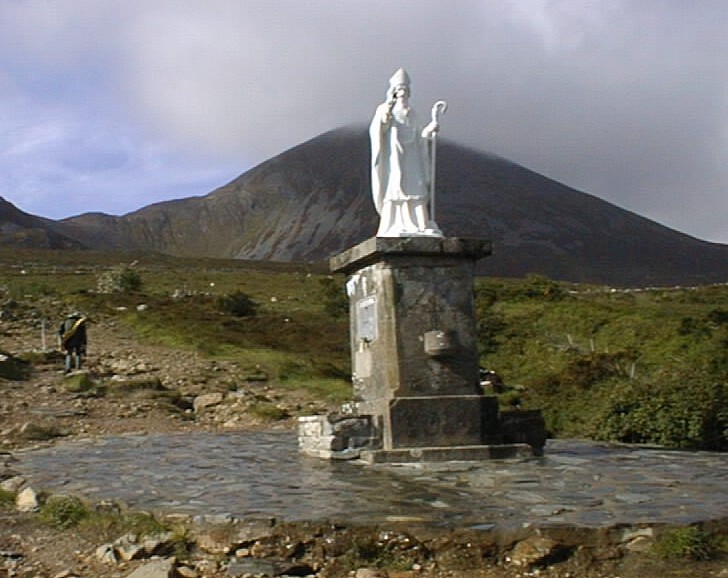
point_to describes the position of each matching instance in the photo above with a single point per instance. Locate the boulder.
(533, 551)
(13, 368)
(206, 400)
(26, 500)
(160, 568)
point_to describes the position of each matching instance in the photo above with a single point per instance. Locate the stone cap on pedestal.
(377, 248)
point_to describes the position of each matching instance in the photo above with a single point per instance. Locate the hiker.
(72, 340)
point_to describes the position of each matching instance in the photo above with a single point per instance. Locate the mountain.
(22, 230)
(313, 201)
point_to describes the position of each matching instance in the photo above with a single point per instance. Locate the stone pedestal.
(415, 352)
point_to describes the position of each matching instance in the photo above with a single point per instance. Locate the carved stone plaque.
(366, 319)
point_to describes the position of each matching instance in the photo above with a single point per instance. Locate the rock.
(130, 366)
(158, 545)
(13, 484)
(533, 550)
(66, 574)
(125, 383)
(639, 544)
(629, 534)
(252, 566)
(215, 542)
(253, 530)
(77, 381)
(187, 572)
(206, 566)
(26, 500)
(128, 547)
(106, 553)
(13, 368)
(130, 551)
(10, 555)
(370, 573)
(160, 568)
(206, 400)
(223, 539)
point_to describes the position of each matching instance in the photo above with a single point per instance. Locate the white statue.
(403, 164)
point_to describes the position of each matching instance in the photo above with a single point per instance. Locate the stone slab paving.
(254, 474)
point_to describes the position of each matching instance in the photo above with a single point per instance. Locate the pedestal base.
(440, 421)
(348, 437)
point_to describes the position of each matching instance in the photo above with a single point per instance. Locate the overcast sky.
(110, 105)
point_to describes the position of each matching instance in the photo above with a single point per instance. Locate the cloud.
(626, 100)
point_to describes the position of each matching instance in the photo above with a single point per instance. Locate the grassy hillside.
(644, 366)
(647, 366)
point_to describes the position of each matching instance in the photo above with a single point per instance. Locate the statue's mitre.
(399, 78)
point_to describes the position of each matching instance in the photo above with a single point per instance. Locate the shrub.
(183, 541)
(690, 543)
(675, 414)
(585, 370)
(335, 301)
(64, 512)
(237, 304)
(120, 279)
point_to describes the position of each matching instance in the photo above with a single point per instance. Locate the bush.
(585, 370)
(335, 301)
(675, 414)
(690, 543)
(120, 279)
(237, 304)
(64, 512)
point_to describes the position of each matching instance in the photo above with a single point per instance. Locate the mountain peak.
(313, 201)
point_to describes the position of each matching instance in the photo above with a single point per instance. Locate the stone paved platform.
(253, 474)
